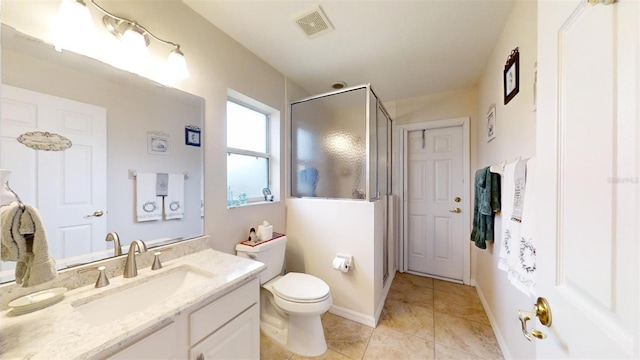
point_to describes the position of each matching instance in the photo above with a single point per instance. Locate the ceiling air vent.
(314, 23)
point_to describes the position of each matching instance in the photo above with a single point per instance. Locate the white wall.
(216, 63)
(515, 136)
(318, 229)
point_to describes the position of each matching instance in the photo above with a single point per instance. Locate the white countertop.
(61, 332)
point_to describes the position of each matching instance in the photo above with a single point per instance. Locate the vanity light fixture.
(134, 36)
(73, 25)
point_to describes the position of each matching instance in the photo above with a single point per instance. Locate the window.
(248, 157)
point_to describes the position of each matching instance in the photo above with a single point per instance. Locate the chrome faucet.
(130, 267)
(117, 248)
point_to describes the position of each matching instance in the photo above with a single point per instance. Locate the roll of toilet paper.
(340, 264)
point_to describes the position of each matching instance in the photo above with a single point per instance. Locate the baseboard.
(385, 292)
(494, 325)
(363, 319)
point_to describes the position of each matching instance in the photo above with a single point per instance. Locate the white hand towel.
(174, 201)
(522, 270)
(510, 229)
(148, 205)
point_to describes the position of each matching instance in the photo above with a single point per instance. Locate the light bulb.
(177, 65)
(73, 27)
(135, 43)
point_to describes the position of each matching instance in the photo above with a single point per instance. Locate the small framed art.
(158, 143)
(512, 76)
(192, 135)
(491, 123)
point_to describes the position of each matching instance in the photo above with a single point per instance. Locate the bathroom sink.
(116, 303)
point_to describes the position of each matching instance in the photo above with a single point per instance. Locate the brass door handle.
(96, 213)
(542, 310)
(456, 210)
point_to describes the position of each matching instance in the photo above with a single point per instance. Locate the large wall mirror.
(101, 171)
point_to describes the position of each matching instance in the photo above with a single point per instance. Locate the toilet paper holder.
(346, 260)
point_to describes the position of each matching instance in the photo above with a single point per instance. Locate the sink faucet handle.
(156, 261)
(103, 280)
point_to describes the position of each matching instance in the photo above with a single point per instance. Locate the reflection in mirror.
(107, 180)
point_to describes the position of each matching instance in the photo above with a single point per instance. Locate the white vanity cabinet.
(166, 343)
(227, 328)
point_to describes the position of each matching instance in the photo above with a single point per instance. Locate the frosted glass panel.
(328, 146)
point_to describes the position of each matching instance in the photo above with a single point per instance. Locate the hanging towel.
(520, 183)
(174, 202)
(12, 248)
(486, 204)
(162, 184)
(148, 205)
(510, 229)
(24, 240)
(522, 265)
(38, 266)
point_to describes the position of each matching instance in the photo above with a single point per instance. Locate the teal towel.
(486, 204)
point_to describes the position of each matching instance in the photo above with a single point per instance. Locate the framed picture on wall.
(491, 123)
(511, 76)
(158, 143)
(192, 135)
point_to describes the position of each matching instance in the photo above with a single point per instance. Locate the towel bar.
(133, 173)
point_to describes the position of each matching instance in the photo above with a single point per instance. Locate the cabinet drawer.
(162, 344)
(209, 318)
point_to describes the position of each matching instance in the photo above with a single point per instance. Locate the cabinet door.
(162, 344)
(238, 339)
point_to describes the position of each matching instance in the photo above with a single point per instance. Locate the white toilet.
(291, 304)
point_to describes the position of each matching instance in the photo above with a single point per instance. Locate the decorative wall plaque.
(42, 140)
(158, 143)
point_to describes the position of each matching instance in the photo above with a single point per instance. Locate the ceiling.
(403, 48)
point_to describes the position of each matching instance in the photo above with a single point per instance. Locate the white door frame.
(400, 133)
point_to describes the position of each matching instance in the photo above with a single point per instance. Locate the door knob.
(96, 213)
(456, 210)
(542, 310)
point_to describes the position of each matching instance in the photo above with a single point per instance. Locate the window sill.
(257, 203)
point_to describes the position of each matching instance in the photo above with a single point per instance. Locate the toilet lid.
(301, 287)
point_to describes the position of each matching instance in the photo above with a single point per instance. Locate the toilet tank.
(270, 253)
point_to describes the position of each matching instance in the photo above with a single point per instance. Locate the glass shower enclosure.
(341, 149)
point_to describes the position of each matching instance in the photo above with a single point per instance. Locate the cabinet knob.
(200, 357)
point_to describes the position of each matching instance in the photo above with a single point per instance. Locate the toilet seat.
(301, 288)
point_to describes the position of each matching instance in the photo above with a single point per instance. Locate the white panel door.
(434, 191)
(588, 149)
(66, 186)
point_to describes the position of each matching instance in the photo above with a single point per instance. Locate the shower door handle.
(456, 210)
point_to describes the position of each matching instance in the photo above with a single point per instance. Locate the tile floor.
(423, 318)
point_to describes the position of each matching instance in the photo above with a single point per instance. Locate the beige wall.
(515, 137)
(441, 106)
(216, 63)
